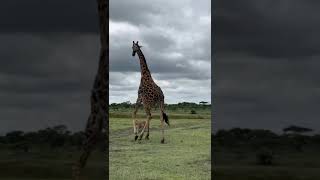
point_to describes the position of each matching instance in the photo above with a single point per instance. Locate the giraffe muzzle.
(133, 53)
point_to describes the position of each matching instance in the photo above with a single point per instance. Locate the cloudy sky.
(48, 60)
(266, 59)
(266, 63)
(176, 40)
(49, 56)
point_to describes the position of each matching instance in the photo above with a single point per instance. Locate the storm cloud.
(35, 16)
(266, 59)
(49, 55)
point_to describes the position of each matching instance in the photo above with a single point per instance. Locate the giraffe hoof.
(147, 137)
(135, 138)
(162, 141)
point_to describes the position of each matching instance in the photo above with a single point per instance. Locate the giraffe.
(97, 122)
(149, 95)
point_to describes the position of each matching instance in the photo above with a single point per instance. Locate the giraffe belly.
(151, 99)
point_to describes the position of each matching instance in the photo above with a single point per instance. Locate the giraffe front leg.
(134, 124)
(134, 114)
(135, 130)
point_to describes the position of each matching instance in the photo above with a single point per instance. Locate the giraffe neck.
(143, 65)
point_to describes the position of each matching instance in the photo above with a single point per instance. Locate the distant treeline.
(179, 106)
(51, 137)
(292, 137)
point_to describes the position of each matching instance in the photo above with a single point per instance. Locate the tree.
(203, 102)
(296, 129)
(76, 139)
(61, 129)
(296, 132)
(14, 136)
(24, 146)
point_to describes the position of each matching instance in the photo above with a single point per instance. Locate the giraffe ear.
(137, 42)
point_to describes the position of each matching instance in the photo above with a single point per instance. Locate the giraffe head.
(135, 48)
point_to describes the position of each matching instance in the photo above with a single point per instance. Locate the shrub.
(193, 112)
(265, 157)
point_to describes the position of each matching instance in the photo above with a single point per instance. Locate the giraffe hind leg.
(163, 118)
(80, 163)
(162, 129)
(92, 133)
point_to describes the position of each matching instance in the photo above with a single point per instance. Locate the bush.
(265, 157)
(193, 112)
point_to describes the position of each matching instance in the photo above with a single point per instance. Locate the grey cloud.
(132, 11)
(149, 13)
(176, 40)
(46, 79)
(267, 28)
(266, 64)
(260, 92)
(49, 53)
(43, 55)
(158, 62)
(49, 16)
(159, 42)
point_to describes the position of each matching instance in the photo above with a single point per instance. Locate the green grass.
(265, 173)
(288, 164)
(185, 154)
(47, 164)
(155, 115)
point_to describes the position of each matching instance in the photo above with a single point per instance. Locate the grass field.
(240, 163)
(47, 164)
(265, 173)
(185, 154)
(292, 167)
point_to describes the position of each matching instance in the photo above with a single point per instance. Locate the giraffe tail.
(165, 117)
